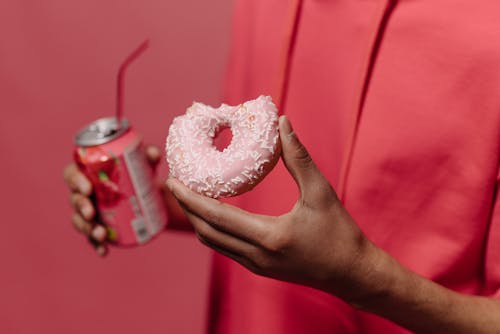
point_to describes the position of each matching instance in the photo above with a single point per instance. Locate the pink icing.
(252, 153)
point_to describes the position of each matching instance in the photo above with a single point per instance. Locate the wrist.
(383, 286)
(371, 277)
(375, 277)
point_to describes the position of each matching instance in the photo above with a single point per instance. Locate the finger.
(211, 237)
(244, 261)
(95, 233)
(221, 216)
(81, 224)
(300, 164)
(101, 250)
(99, 233)
(153, 155)
(234, 248)
(83, 205)
(76, 180)
(176, 216)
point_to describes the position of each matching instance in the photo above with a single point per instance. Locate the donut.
(252, 153)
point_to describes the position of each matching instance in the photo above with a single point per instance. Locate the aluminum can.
(129, 204)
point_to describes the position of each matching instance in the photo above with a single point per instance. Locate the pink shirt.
(399, 105)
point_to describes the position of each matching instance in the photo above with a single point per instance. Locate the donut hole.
(222, 138)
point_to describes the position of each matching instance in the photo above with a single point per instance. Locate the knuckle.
(303, 156)
(212, 215)
(203, 230)
(75, 200)
(265, 265)
(325, 194)
(254, 268)
(153, 152)
(279, 241)
(101, 249)
(318, 194)
(71, 201)
(199, 236)
(77, 221)
(98, 233)
(80, 224)
(202, 239)
(67, 171)
(82, 205)
(255, 261)
(73, 177)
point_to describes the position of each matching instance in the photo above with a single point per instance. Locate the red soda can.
(129, 204)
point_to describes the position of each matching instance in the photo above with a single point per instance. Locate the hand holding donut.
(316, 243)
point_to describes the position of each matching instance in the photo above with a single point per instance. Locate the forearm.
(419, 304)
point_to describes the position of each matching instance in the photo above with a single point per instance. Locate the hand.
(316, 243)
(81, 190)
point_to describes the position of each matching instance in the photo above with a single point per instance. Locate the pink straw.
(120, 79)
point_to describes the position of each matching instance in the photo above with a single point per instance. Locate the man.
(397, 104)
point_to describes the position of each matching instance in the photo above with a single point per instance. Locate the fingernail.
(170, 184)
(99, 233)
(87, 212)
(285, 126)
(101, 250)
(84, 186)
(153, 151)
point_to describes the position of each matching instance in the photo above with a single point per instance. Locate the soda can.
(129, 204)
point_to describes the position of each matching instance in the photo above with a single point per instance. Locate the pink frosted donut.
(252, 153)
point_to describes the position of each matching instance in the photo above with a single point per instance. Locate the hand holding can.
(128, 203)
(84, 209)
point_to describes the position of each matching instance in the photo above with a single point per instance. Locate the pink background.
(58, 62)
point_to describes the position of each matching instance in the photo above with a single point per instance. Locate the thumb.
(153, 156)
(312, 184)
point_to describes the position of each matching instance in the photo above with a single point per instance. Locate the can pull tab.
(120, 80)
(104, 129)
